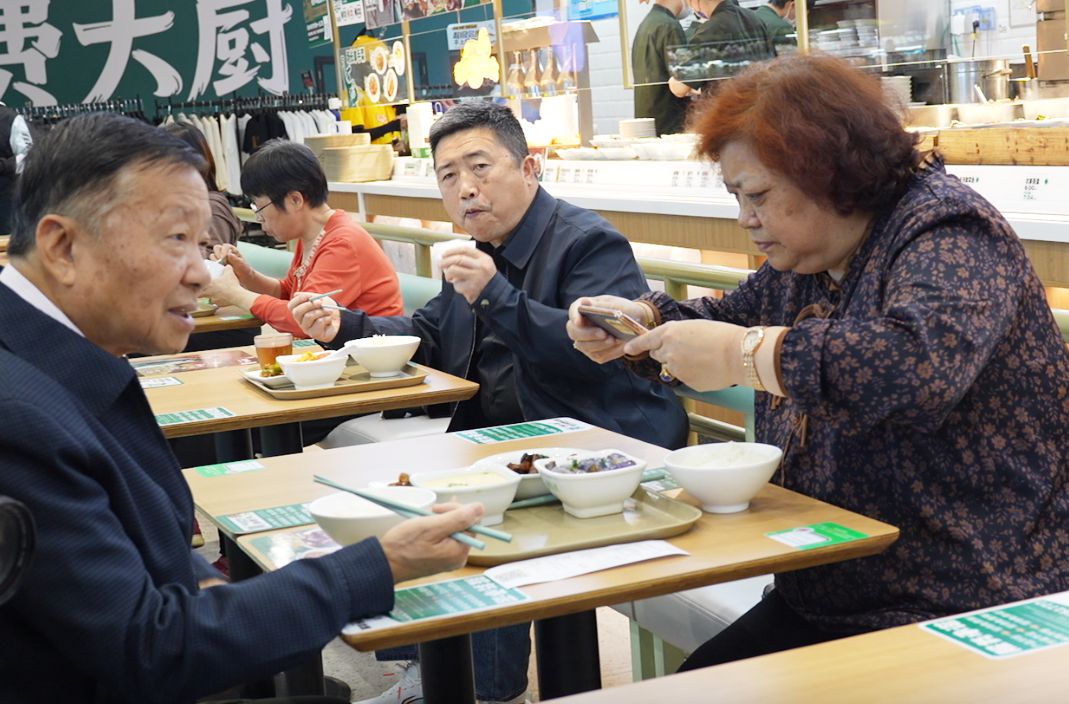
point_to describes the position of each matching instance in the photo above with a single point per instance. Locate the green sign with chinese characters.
(54, 51)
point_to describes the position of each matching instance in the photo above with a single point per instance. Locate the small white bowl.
(314, 374)
(383, 355)
(470, 485)
(592, 494)
(531, 485)
(724, 476)
(348, 518)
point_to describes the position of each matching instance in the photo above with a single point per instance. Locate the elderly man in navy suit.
(105, 262)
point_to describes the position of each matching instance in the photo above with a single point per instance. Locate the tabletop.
(226, 318)
(905, 664)
(249, 407)
(722, 547)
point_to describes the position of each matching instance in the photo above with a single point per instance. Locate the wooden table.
(721, 547)
(252, 408)
(905, 664)
(219, 321)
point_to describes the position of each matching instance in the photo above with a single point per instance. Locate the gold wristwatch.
(751, 340)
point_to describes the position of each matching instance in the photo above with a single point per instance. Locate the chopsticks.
(324, 295)
(409, 511)
(340, 309)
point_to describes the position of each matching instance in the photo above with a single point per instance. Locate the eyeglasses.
(257, 210)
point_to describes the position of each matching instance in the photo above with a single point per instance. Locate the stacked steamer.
(351, 158)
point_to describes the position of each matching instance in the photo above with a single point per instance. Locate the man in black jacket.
(500, 318)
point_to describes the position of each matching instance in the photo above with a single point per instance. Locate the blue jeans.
(500, 657)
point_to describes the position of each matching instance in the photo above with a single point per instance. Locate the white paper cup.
(440, 249)
(214, 268)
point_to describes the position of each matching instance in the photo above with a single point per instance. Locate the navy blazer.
(110, 609)
(557, 254)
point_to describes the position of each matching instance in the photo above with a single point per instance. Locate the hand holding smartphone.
(617, 323)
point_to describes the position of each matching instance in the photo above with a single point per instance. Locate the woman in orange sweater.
(289, 196)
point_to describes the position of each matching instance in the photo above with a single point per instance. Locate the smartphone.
(617, 323)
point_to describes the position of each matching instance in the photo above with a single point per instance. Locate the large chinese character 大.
(120, 34)
(225, 38)
(27, 40)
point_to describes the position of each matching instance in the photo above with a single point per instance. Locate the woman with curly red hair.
(903, 351)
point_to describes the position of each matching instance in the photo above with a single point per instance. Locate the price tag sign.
(818, 535)
(199, 414)
(158, 381)
(1005, 631)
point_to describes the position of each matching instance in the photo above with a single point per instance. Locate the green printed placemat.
(224, 468)
(305, 343)
(523, 431)
(243, 316)
(267, 519)
(454, 596)
(155, 382)
(193, 416)
(1005, 631)
(818, 535)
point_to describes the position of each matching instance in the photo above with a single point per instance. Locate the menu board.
(317, 22)
(379, 13)
(348, 12)
(375, 73)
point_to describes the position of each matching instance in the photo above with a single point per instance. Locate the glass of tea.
(268, 349)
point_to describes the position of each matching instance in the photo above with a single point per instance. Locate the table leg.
(281, 440)
(232, 445)
(566, 652)
(446, 668)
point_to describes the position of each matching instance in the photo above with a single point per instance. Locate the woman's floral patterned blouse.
(929, 390)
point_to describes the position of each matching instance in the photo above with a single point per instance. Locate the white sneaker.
(407, 690)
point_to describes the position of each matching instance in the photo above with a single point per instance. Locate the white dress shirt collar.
(25, 289)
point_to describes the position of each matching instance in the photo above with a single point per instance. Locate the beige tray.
(353, 380)
(547, 530)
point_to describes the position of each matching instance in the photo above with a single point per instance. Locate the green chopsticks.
(409, 511)
(324, 295)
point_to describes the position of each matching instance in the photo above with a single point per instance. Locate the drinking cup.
(270, 346)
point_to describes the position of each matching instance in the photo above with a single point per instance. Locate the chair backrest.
(272, 262)
(417, 290)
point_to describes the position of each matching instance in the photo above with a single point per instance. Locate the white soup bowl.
(492, 485)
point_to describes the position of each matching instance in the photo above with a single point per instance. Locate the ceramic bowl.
(312, 374)
(724, 476)
(588, 494)
(493, 486)
(348, 518)
(531, 485)
(383, 355)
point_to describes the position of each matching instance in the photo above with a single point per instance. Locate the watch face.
(751, 339)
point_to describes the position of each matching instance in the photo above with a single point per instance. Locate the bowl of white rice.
(724, 476)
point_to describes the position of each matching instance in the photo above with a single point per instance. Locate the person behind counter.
(903, 352)
(776, 16)
(499, 320)
(289, 195)
(117, 608)
(659, 30)
(732, 36)
(224, 228)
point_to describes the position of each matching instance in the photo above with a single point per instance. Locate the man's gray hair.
(482, 114)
